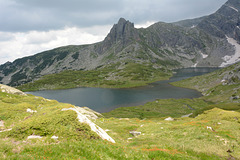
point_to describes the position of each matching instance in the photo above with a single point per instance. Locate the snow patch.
(204, 55)
(234, 58)
(193, 26)
(195, 65)
(83, 119)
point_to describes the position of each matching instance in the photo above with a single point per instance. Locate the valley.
(211, 131)
(170, 106)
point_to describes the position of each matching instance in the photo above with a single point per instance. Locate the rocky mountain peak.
(122, 21)
(121, 35)
(121, 31)
(224, 22)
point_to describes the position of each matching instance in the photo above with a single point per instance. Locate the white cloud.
(21, 44)
(33, 26)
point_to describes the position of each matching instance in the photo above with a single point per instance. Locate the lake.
(105, 99)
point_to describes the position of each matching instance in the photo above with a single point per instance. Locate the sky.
(28, 27)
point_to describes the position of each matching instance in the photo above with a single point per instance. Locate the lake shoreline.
(106, 99)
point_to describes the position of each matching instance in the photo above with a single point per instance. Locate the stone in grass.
(1, 123)
(135, 133)
(31, 111)
(54, 137)
(34, 137)
(169, 119)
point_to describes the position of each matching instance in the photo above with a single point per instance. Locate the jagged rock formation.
(209, 41)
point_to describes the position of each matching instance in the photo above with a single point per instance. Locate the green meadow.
(200, 129)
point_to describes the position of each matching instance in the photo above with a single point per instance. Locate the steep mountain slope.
(163, 45)
(225, 22)
(191, 23)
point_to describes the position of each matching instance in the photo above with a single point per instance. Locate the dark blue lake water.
(104, 100)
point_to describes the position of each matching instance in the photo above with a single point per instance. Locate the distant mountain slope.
(219, 86)
(191, 23)
(213, 42)
(224, 22)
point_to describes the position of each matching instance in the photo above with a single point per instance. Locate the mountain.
(218, 86)
(225, 22)
(209, 41)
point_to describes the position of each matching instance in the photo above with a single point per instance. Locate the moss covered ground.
(183, 138)
(111, 76)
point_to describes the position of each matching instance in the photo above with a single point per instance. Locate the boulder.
(11, 90)
(1, 123)
(169, 119)
(135, 133)
(89, 113)
(54, 137)
(83, 119)
(31, 111)
(34, 137)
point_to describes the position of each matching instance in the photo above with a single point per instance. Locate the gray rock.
(11, 90)
(169, 119)
(135, 133)
(234, 98)
(34, 137)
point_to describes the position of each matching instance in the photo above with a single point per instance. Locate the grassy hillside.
(48, 120)
(188, 138)
(160, 108)
(211, 132)
(183, 138)
(220, 89)
(219, 86)
(113, 76)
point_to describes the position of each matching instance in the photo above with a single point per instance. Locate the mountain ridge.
(164, 45)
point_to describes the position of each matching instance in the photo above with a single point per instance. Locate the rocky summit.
(210, 41)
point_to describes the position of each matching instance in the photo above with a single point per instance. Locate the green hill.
(220, 86)
(214, 134)
(116, 75)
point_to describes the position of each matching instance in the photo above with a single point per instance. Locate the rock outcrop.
(11, 90)
(83, 119)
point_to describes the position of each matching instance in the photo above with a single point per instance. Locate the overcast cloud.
(31, 26)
